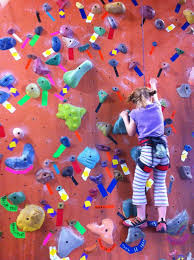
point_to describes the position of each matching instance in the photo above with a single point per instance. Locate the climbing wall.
(43, 129)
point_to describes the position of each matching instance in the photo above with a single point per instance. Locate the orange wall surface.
(43, 130)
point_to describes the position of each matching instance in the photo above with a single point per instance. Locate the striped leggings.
(140, 178)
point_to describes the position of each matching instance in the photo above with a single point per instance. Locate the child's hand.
(124, 114)
(153, 83)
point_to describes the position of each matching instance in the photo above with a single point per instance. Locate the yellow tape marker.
(93, 37)
(184, 155)
(125, 169)
(48, 52)
(63, 194)
(90, 18)
(170, 27)
(9, 106)
(15, 54)
(86, 173)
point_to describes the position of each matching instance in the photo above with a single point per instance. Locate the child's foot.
(161, 227)
(135, 222)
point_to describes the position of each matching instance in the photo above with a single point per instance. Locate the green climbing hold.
(17, 197)
(104, 127)
(102, 96)
(71, 114)
(44, 83)
(7, 205)
(179, 51)
(73, 77)
(99, 30)
(55, 60)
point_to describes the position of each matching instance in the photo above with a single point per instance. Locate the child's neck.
(148, 102)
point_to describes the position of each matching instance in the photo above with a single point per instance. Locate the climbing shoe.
(135, 222)
(161, 227)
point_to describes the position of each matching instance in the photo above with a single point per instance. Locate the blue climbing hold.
(7, 43)
(89, 157)
(3, 96)
(187, 148)
(56, 44)
(112, 22)
(7, 80)
(95, 46)
(113, 62)
(135, 153)
(122, 48)
(65, 141)
(119, 127)
(24, 161)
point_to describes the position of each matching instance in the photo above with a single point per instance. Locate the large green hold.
(102, 96)
(104, 127)
(17, 197)
(71, 114)
(99, 30)
(44, 83)
(73, 77)
(55, 60)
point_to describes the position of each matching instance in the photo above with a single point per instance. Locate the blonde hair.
(140, 96)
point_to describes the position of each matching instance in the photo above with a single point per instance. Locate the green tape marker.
(79, 228)
(44, 98)
(7, 205)
(34, 39)
(15, 232)
(23, 100)
(59, 151)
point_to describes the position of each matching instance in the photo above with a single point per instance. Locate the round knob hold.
(18, 133)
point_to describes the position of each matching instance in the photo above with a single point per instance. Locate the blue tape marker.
(135, 249)
(89, 199)
(192, 134)
(170, 187)
(110, 1)
(52, 18)
(62, 93)
(102, 190)
(138, 71)
(112, 185)
(56, 168)
(152, 223)
(46, 207)
(134, 2)
(83, 14)
(174, 57)
(177, 9)
(185, 25)
(115, 157)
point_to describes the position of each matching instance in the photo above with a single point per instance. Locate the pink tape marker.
(51, 79)
(19, 171)
(47, 238)
(61, 67)
(25, 42)
(55, 33)
(56, 95)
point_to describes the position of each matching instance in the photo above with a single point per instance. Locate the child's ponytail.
(140, 95)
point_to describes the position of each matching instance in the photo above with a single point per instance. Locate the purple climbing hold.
(11, 31)
(102, 147)
(147, 11)
(66, 31)
(39, 68)
(95, 46)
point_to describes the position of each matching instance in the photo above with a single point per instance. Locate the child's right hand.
(153, 83)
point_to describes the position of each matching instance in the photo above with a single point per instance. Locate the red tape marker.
(76, 167)
(60, 209)
(111, 33)
(71, 54)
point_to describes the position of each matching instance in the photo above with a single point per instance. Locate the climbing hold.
(89, 157)
(70, 43)
(46, 7)
(11, 31)
(55, 60)
(129, 210)
(38, 30)
(185, 172)
(73, 77)
(17, 197)
(102, 95)
(7, 43)
(93, 193)
(44, 83)
(104, 127)
(72, 158)
(3, 96)
(122, 48)
(134, 233)
(178, 224)
(165, 65)
(105, 231)
(7, 80)
(104, 164)
(135, 153)
(118, 175)
(24, 161)
(30, 218)
(102, 147)
(147, 11)
(66, 31)
(189, 15)
(99, 30)
(56, 44)
(112, 22)
(44, 175)
(168, 121)
(184, 91)
(168, 131)
(119, 126)
(39, 68)
(65, 141)
(96, 9)
(67, 171)
(95, 46)
(71, 114)
(187, 148)
(32, 56)
(32, 90)
(18, 133)
(84, 47)
(97, 179)
(79, 5)
(159, 24)
(133, 64)
(192, 229)
(117, 151)
(115, 8)
(115, 89)
(68, 241)
(179, 51)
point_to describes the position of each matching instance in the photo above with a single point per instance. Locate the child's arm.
(153, 83)
(130, 126)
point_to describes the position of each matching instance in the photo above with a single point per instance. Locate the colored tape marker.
(125, 169)
(76, 166)
(135, 249)
(90, 18)
(28, 64)
(86, 174)
(64, 90)
(61, 67)
(152, 223)
(110, 175)
(63, 194)
(56, 168)
(34, 40)
(177, 8)
(15, 232)
(104, 206)
(71, 53)
(9, 207)
(23, 100)
(19, 171)
(59, 219)
(107, 249)
(17, 37)
(104, 15)
(47, 238)
(51, 79)
(55, 33)
(185, 25)
(48, 52)
(134, 2)
(78, 136)
(94, 37)
(61, 13)
(174, 57)
(102, 190)
(50, 210)
(87, 203)
(138, 71)
(52, 18)
(12, 144)
(59, 151)
(111, 33)
(49, 188)
(112, 185)
(15, 54)
(115, 161)
(83, 14)
(84, 256)
(25, 43)
(44, 98)
(79, 228)
(170, 28)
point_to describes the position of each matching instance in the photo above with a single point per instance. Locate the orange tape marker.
(100, 53)
(104, 206)
(108, 250)
(104, 15)
(119, 96)
(110, 175)
(173, 128)
(89, 54)
(28, 63)
(173, 114)
(109, 157)
(49, 188)
(78, 136)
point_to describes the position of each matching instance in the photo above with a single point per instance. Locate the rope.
(143, 53)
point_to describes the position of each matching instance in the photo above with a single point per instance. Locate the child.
(147, 118)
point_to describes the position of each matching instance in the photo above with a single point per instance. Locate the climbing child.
(148, 120)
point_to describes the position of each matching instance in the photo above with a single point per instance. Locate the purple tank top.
(149, 120)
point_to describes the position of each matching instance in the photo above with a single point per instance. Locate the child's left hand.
(124, 114)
